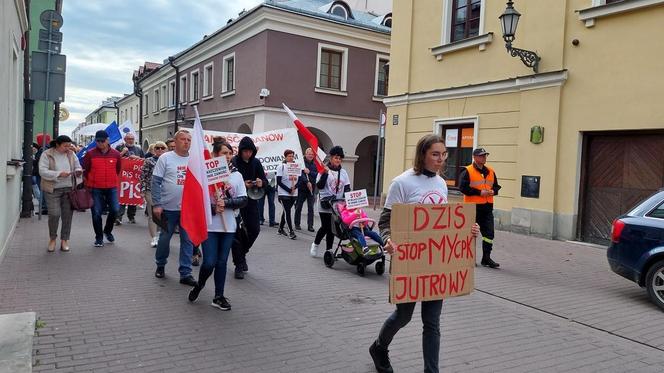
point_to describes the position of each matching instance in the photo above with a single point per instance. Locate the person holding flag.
(226, 198)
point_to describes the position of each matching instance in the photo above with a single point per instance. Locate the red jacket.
(102, 170)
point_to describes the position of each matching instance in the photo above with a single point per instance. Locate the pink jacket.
(348, 216)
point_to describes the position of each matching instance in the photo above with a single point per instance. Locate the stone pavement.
(553, 307)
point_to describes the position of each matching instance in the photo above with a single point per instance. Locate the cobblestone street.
(553, 306)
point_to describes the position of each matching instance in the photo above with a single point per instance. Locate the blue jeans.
(102, 198)
(356, 232)
(269, 194)
(164, 248)
(215, 256)
(430, 334)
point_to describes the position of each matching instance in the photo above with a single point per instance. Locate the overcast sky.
(105, 41)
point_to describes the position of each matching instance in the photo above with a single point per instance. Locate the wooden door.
(620, 170)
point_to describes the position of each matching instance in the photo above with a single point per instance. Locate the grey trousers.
(59, 207)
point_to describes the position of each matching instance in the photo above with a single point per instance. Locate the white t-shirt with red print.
(235, 187)
(409, 188)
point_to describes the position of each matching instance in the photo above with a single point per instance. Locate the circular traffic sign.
(52, 18)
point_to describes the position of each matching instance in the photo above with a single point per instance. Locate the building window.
(332, 69)
(208, 73)
(465, 19)
(125, 116)
(341, 9)
(387, 20)
(382, 78)
(228, 75)
(156, 101)
(459, 140)
(131, 114)
(146, 104)
(193, 94)
(164, 97)
(171, 94)
(183, 89)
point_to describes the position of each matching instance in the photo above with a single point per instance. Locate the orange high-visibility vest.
(478, 181)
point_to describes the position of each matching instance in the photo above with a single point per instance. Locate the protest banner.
(217, 170)
(271, 145)
(435, 254)
(356, 198)
(293, 170)
(130, 185)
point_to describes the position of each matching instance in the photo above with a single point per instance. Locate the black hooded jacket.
(253, 169)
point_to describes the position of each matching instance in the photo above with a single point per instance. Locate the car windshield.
(644, 207)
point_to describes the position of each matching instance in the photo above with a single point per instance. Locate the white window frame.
(208, 92)
(171, 94)
(146, 104)
(601, 9)
(344, 70)
(224, 76)
(379, 57)
(346, 15)
(183, 89)
(193, 100)
(447, 21)
(157, 99)
(445, 47)
(163, 98)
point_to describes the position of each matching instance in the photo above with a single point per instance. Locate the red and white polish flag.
(196, 210)
(310, 137)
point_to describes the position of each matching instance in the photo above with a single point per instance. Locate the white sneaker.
(154, 241)
(314, 250)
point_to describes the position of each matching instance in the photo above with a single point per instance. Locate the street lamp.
(509, 20)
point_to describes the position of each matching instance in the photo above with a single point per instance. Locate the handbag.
(326, 202)
(79, 196)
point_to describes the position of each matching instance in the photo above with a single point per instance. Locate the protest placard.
(217, 170)
(130, 184)
(435, 255)
(356, 198)
(293, 169)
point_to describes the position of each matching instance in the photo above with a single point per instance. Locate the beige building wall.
(609, 81)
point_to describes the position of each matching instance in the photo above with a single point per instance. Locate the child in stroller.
(352, 246)
(357, 220)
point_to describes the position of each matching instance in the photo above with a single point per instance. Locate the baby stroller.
(349, 249)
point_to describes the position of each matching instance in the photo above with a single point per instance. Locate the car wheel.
(655, 283)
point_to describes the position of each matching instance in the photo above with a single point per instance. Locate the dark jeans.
(164, 247)
(430, 334)
(325, 230)
(311, 200)
(131, 212)
(484, 217)
(215, 256)
(359, 236)
(242, 243)
(104, 198)
(269, 194)
(287, 204)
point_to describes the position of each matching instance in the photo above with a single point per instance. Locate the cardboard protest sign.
(435, 255)
(293, 169)
(356, 198)
(271, 145)
(130, 185)
(217, 170)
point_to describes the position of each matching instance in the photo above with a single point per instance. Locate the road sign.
(56, 77)
(50, 19)
(55, 36)
(46, 46)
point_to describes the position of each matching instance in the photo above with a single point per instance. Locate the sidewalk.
(553, 306)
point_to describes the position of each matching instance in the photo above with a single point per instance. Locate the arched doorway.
(324, 141)
(365, 167)
(244, 128)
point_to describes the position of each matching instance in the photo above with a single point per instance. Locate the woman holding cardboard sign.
(421, 184)
(287, 184)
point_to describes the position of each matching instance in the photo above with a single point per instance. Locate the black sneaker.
(292, 235)
(132, 221)
(118, 222)
(221, 303)
(193, 294)
(488, 262)
(273, 225)
(297, 227)
(159, 273)
(380, 358)
(99, 242)
(311, 229)
(244, 267)
(109, 237)
(238, 273)
(281, 231)
(189, 280)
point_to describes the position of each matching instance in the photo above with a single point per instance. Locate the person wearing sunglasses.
(158, 149)
(101, 172)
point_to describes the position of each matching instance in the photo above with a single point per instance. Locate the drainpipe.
(171, 59)
(139, 94)
(28, 115)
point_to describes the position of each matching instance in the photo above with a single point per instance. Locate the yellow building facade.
(573, 145)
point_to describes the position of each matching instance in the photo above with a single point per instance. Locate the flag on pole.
(196, 210)
(114, 136)
(310, 137)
